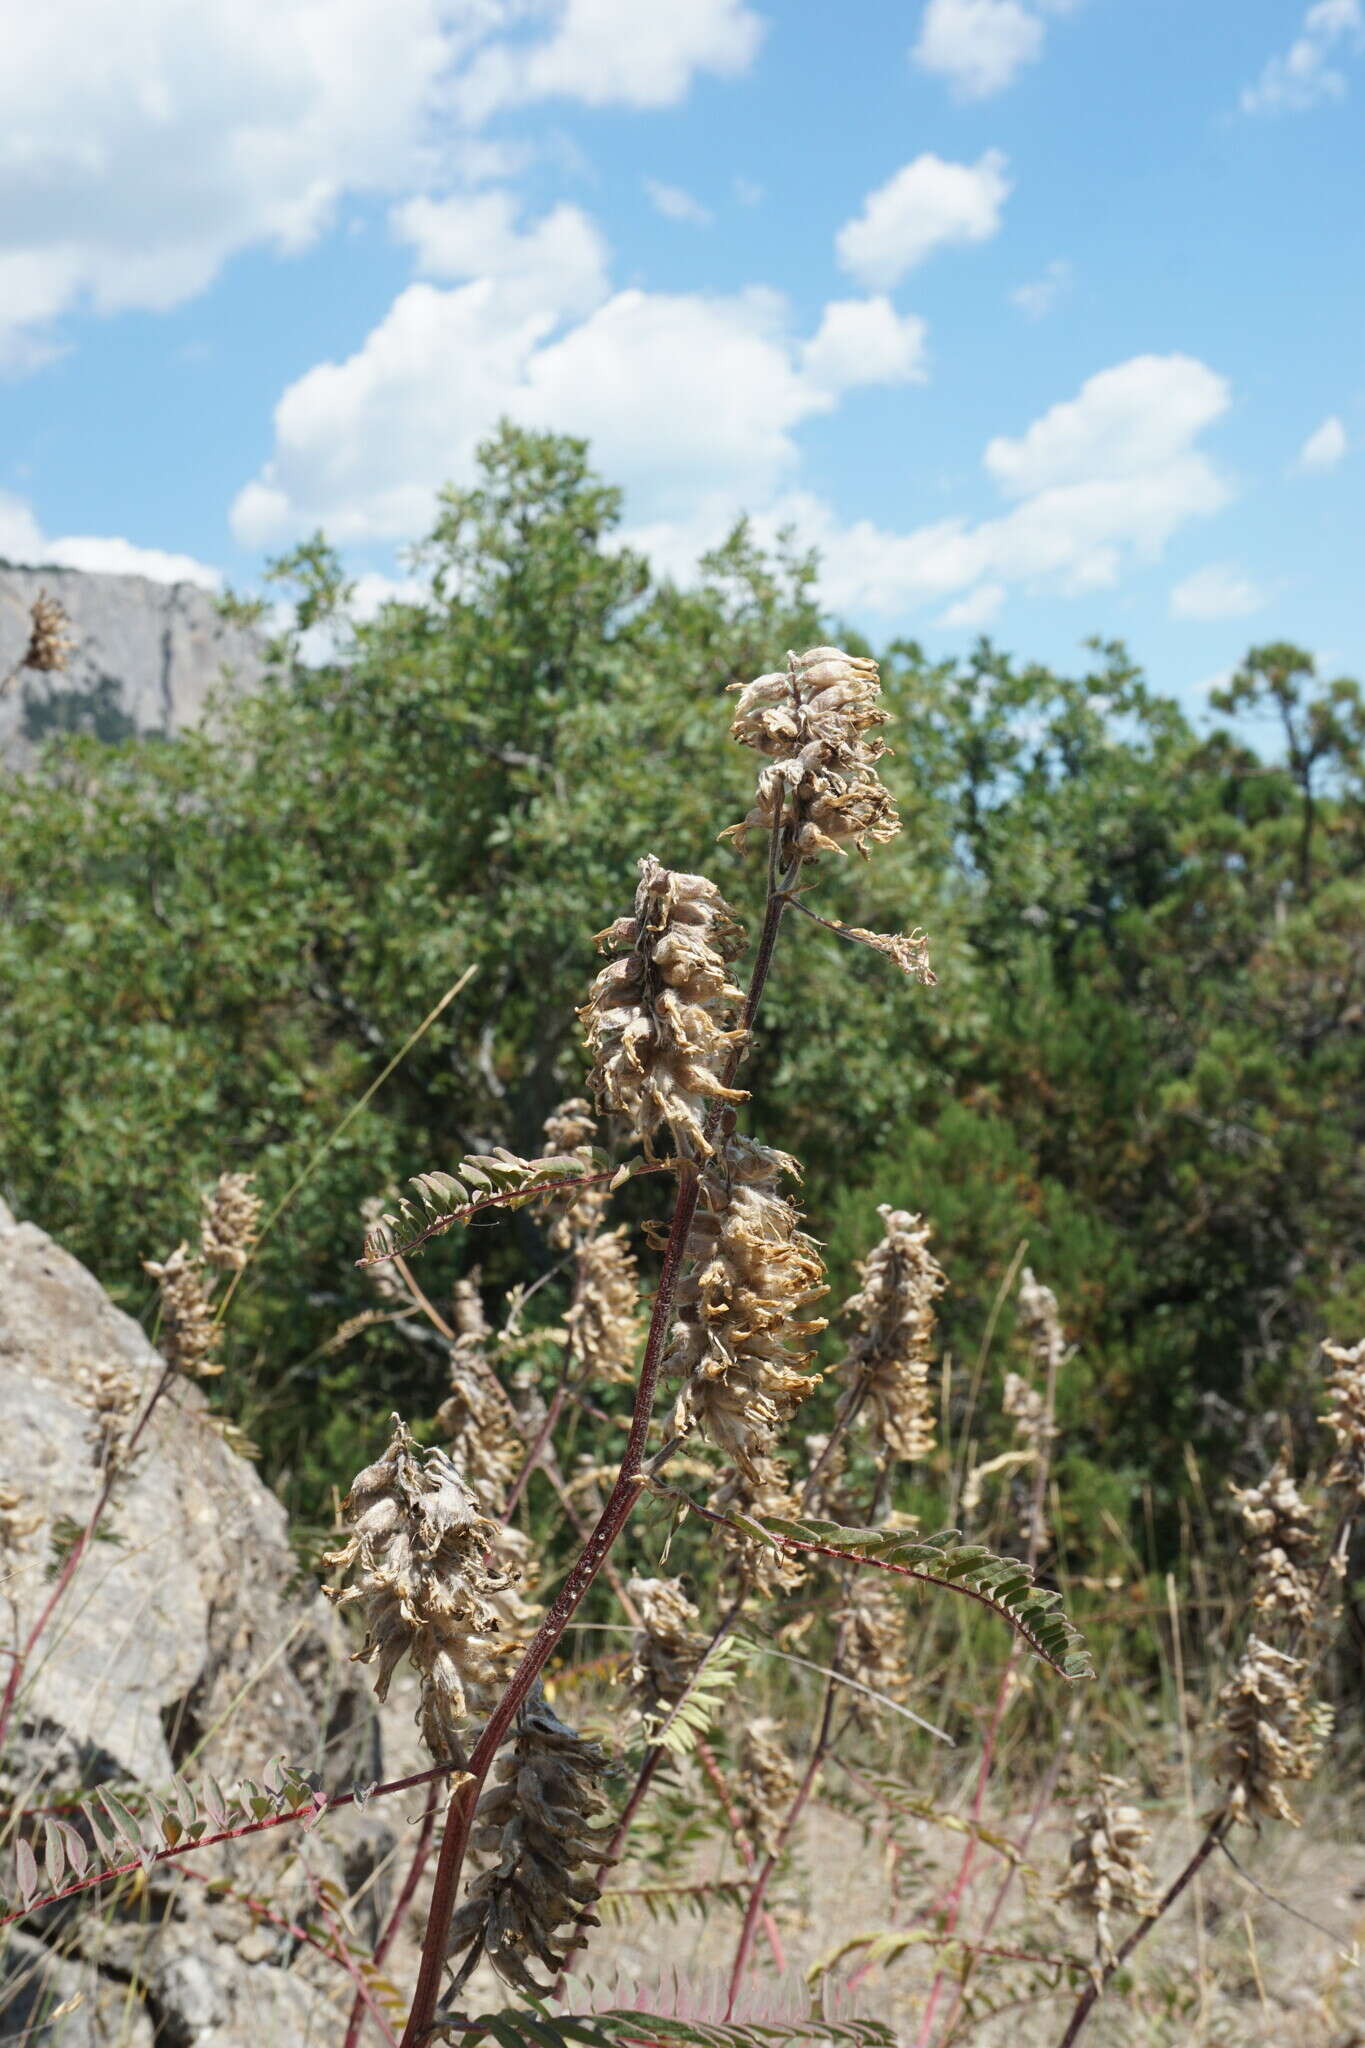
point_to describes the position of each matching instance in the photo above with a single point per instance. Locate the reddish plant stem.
(338, 1955)
(620, 1504)
(386, 1939)
(19, 1663)
(535, 1448)
(712, 1769)
(298, 1815)
(1095, 1990)
(794, 1811)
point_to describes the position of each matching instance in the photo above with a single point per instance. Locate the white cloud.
(977, 45)
(1305, 75)
(977, 610)
(865, 341)
(559, 264)
(134, 165)
(1325, 446)
(1038, 297)
(1220, 591)
(614, 52)
(927, 205)
(22, 540)
(675, 204)
(1125, 423)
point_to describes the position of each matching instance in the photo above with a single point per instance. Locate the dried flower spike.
(659, 1018)
(1273, 1732)
(1346, 1416)
(1281, 1537)
(189, 1334)
(1106, 1874)
(765, 1570)
(228, 1229)
(50, 646)
(572, 1129)
(885, 1370)
(537, 1820)
(817, 723)
(875, 1640)
(742, 1341)
(419, 1550)
(110, 1390)
(603, 1316)
(766, 1785)
(666, 1649)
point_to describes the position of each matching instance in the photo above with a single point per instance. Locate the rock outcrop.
(189, 1642)
(147, 657)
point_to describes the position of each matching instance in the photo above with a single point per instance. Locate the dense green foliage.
(1144, 1053)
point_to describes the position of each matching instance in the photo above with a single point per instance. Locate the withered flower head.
(50, 646)
(1281, 1538)
(885, 1370)
(666, 1649)
(1273, 1731)
(875, 1646)
(227, 1228)
(603, 1317)
(19, 1518)
(766, 1785)
(1106, 1874)
(817, 723)
(419, 1552)
(537, 1822)
(110, 1389)
(764, 1571)
(189, 1335)
(1042, 1324)
(573, 1128)
(1346, 1416)
(481, 1437)
(659, 1018)
(741, 1341)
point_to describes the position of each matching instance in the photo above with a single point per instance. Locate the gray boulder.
(189, 1641)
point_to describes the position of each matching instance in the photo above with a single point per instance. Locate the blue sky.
(1041, 317)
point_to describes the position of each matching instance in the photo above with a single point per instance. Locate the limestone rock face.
(189, 1642)
(146, 658)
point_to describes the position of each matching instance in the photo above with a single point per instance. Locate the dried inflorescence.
(537, 1820)
(1272, 1730)
(50, 646)
(18, 1518)
(875, 1645)
(481, 1438)
(603, 1316)
(188, 1335)
(1042, 1324)
(1106, 1874)
(110, 1389)
(659, 1018)
(229, 1224)
(817, 721)
(666, 1649)
(765, 1786)
(764, 1570)
(1346, 1416)
(1280, 1536)
(741, 1341)
(572, 1128)
(420, 1555)
(885, 1370)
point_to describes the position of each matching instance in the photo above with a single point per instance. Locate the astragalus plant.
(724, 1365)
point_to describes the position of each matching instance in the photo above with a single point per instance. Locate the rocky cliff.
(146, 658)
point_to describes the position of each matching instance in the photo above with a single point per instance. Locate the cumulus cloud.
(132, 166)
(682, 395)
(929, 204)
(1040, 295)
(559, 264)
(22, 540)
(1324, 448)
(977, 610)
(1307, 74)
(675, 204)
(614, 52)
(1220, 591)
(865, 341)
(977, 45)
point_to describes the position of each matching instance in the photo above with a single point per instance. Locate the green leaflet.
(442, 1199)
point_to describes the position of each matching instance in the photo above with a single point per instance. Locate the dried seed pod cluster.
(569, 1133)
(188, 1336)
(817, 722)
(228, 1228)
(1280, 1535)
(764, 1570)
(50, 646)
(537, 1821)
(419, 1552)
(1346, 1416)
(875, 1643)
(765, 1786)
(659, 1018)
(603, 1316)
(741, 1341)
(1106, 1874)
(110, 1389)
(666, 1649)
(885, 1370)
(1272, 1731)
